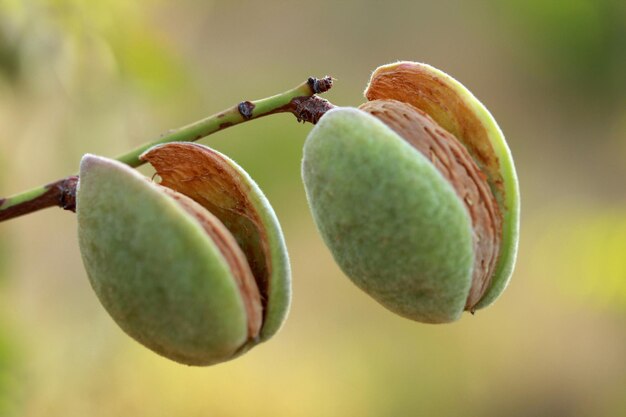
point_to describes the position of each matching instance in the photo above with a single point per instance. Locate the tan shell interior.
(210, 180)
(426, 90)
(455, 163)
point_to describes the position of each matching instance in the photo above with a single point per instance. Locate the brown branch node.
(245, 109)
(309, 109)
(67, 193)
(322, 85)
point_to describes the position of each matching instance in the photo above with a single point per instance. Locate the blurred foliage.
(4, 249)
(10, 384)
(581, 44)
(9, 56)
(84, 42)
(583, 252)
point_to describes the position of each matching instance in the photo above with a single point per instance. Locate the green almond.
(388, 216)
(169, 271)
(459, 112)
(405, 226)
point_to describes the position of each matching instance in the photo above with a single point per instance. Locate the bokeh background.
(81, 76)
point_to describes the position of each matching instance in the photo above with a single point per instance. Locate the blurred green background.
(81, 76)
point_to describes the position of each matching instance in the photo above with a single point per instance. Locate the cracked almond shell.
(194, 268)
(415, 194)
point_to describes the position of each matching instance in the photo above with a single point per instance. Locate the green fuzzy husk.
(154, 269)
(394, 225)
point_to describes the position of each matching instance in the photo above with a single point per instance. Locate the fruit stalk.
(301, 101)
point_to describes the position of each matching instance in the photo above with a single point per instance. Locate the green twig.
(300, 101)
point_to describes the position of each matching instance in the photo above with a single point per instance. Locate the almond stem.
(301, 101)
